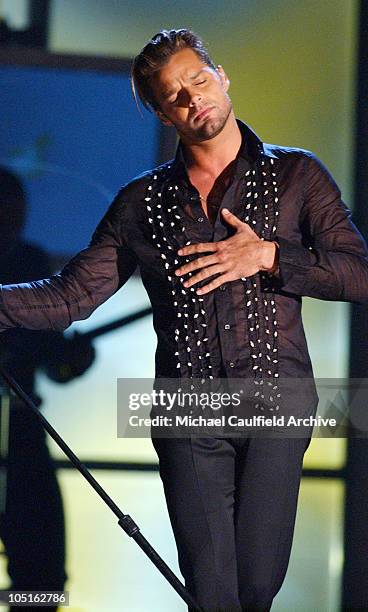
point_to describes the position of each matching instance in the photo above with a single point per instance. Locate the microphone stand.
(124, 520)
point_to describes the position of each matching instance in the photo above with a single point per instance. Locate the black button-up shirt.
(253, 327)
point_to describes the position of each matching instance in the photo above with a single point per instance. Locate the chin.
(210, 129)
(207, 130)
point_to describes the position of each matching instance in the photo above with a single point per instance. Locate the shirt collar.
(249, 149)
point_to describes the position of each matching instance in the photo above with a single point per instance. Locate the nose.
(194, 98)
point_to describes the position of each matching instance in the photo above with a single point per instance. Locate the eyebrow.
(167, 93)
(196, 75)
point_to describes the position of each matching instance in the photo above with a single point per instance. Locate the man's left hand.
(239, 256)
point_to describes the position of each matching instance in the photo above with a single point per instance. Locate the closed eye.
(176, 99)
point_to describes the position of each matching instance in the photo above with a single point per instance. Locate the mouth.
(203, 113)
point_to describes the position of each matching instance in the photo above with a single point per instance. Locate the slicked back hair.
(156, 54)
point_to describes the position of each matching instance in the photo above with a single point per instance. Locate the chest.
(211, 194)
(266, 197)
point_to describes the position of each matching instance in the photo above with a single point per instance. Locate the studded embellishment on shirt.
(168, 234)
(261, 185)
(260, 211)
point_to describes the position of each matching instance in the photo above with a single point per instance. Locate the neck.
(213, 155)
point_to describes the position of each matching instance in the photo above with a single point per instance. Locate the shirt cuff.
(274, 271)
(295, 261)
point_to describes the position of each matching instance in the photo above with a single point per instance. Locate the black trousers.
(32, 527)
(232, 505)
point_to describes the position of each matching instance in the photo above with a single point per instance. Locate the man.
(226, 290)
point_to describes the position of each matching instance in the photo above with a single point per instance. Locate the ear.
(223, 77)
(162, 117)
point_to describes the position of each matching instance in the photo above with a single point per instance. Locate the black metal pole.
(117, 324)
(124, 520)
(39, 11)
(355, 571)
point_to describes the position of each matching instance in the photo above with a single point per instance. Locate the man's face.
(184, 89)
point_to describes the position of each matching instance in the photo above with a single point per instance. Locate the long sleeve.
(86, 281)
(332, 261)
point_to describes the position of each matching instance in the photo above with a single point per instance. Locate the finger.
(217, 282)
(239, 224)
(201, 247)
(209, 271)
(230, 218)
(208, 260)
